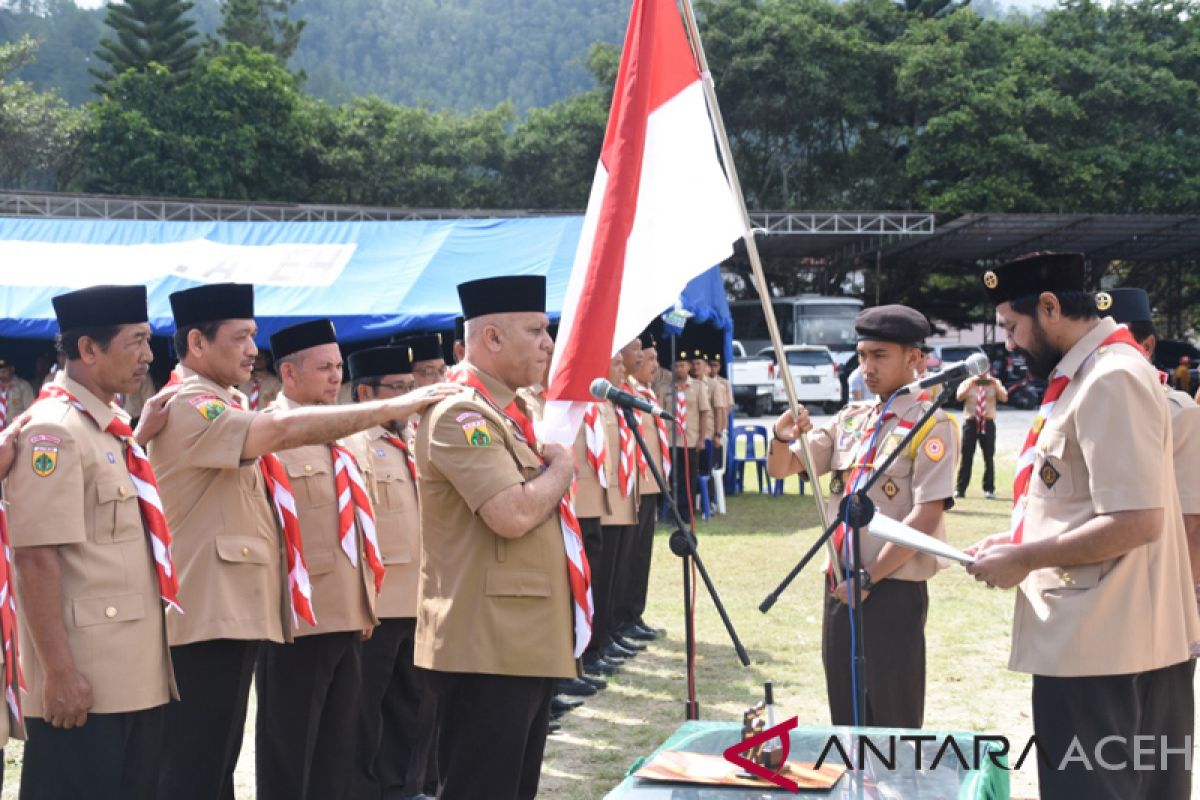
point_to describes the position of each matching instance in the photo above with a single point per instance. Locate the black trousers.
(894, 630)
(593, 548)
(685, 479)
(492, 733)
(618, 540)
(630, 601)
(203, 732)
(1072, 717)
(397, 716)
(987, 443)
(111, 757)
(307, 725)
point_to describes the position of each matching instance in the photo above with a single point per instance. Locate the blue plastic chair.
(702, 500)
(779, 487)
(750, 455)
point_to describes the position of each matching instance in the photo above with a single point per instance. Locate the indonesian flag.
(660, 213)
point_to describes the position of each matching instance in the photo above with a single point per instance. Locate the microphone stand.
(857, 510)
(683, 544)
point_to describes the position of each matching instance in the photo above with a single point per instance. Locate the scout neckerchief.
(154, 520)
(664, 438)
(681, 409)
(593, 439)
(255, 394)
(579, 573)
(14, 680)
(353, 505)
(1058, 385)
(627, 469)
(401, 445)
(980, 408)
(279, 492)
(4, 405)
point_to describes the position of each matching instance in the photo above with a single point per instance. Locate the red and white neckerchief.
(154, 519)
(353, 504)
(980, 408)
(579, 572)
(401, 445)
(627, 467)
(279, 493)
(681, 409)
(255, 396)
(1058, 384)
(14, 679)
(664, 438)
(4, 405)
(593, 438)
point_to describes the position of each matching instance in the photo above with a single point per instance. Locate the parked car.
(813, 370)
(753, 379)
(944, 354)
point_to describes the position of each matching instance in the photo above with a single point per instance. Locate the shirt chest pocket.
(392, 488)
(312, 484)
(117, 517)
(1053, 476)
(527, 461)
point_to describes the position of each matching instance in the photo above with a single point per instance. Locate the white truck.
(753, 379)
(815, 375)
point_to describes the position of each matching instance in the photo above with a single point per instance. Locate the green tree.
(147, 32)
(39, 133)
(265, 24)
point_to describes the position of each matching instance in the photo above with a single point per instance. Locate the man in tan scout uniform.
(263, 386)
(1104, 614)
(12, 723)
(494, 624)
(97, 668)
(309, 691)
(16, 393)
(395, 736)
(979, 396)
(916, 489)
(428, 361)
(228, 546)
(689, 402)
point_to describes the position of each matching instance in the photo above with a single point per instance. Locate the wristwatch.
(865, 581)
(779, 438)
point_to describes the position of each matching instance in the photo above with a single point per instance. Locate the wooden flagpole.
(760, 281)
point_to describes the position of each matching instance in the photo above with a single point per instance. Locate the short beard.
(1042, 357)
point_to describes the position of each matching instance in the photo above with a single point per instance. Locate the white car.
(815, 374)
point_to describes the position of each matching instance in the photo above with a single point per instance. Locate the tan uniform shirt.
(488, 604)
(269, 388)
(720, 408)
(135, 401)
(923, 473)
(1105, 448)
(343, 594)
(622, 508)
(994, 392)
(20, 398)
(397, 520)
(646, 482)
(1185, 437)
(663, 384)
(697, 401)
(225, 534)
(70, 488)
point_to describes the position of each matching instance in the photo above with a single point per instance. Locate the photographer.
(979, 397)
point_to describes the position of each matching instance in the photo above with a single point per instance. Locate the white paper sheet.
(888, 529)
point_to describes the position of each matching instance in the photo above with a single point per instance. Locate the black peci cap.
(424, 347)
(892, 323)
(508, 294)
(1125, 305)
(101, 307)
(460, 329)
(301, 337)
(212, 302)
(376, 362)
(1032, 274)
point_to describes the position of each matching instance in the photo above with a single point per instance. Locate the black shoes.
(629, 644)
(561, 705)
(576, 687)
(600, 667)
(595, 682)
(636, 633)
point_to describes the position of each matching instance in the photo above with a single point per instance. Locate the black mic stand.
(683, 544)
(857, 510)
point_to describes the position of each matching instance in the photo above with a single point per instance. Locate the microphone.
(602, 389)
(977, 364)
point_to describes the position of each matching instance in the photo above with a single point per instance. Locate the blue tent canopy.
(372, 278)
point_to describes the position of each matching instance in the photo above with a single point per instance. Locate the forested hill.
(444, 54)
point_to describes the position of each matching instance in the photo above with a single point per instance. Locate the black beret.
(301, 337)
(460, 329)
(892, 323)
(212, 302)
(101, 307)
(508, 294)
(423, 347)
(1032, 274)
(376, 362)
(1125, 305)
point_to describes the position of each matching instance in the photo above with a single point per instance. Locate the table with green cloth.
(948, 781)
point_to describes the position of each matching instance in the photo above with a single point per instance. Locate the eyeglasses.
(430, 371)
(398, 386)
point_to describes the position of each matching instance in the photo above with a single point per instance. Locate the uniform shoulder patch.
(43, 451)
(209, 405)
(934, 448)
(475, 428)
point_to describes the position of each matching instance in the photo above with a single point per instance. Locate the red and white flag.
(660, 213)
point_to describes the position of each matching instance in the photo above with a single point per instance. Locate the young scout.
(690, 405)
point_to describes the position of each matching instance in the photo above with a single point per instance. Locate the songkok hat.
(509, 294)
(647, 339)
(376, 362)
(892, 323)
(1125, 305)
(301, 337)
(1032, 274)
(460, 329)
(423, 347)
(212, 302)
(101, 307)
